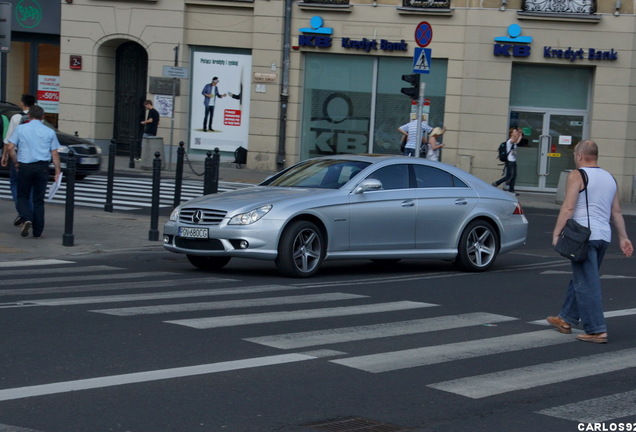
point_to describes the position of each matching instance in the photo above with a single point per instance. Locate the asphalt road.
(143, 342)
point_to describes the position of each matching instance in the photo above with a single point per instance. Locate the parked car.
(383, 208)
(88, 155)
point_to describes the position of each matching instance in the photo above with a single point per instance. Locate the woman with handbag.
(593, 205)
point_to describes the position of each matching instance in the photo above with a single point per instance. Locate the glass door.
(547, 146)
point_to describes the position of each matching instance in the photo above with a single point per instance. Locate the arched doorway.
(131, 73)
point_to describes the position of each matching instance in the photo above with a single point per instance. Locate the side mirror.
(368, 185)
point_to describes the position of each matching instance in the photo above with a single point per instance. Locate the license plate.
(200, 233)
(89, 160)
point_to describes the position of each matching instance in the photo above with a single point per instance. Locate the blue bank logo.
(315, 36)
(514, 44)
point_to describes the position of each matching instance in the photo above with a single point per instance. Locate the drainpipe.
(284, 91)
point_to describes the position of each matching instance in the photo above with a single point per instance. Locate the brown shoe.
(559, 324)
(594, 338)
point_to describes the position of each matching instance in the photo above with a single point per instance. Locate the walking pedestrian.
(434, 146)
(583, 300)
(510, 168)
(36, 146)
(26, 102)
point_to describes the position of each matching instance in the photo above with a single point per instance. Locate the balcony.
(426, 7)
(559, 9)
(326, 2)
(426, 4)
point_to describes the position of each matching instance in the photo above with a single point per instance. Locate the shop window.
(33, 68)
(353, 104)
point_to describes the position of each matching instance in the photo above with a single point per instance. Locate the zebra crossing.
(129, 193)
(109, 285)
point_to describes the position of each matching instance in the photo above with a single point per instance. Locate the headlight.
(251, 216)
(63, 149)
(174, 216)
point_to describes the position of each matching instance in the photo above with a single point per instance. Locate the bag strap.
(585, 181)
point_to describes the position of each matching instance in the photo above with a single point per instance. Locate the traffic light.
(414, 91)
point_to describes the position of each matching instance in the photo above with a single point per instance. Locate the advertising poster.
(49, 93)
(219, 115)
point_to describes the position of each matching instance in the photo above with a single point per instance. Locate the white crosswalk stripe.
(129, 193)
(228, 304)
(349, 334)
(491, 384)
(404, 359)
(260, 318)
(596, 410)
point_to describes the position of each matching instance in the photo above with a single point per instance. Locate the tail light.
(518, 210)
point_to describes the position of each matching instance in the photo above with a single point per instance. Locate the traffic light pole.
(420, 103)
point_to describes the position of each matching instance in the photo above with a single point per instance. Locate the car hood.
(253, 197)
(71, 140)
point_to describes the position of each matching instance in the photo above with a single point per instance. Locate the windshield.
(321, 173)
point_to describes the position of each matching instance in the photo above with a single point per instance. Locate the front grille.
(196, 244)
(207, 217)
(83, 149)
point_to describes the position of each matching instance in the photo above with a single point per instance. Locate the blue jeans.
(209, 113)
(583, 301)
(13, 182)
(409, 152)
(33, 179)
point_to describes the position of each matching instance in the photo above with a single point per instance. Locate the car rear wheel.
(301, 250)
(208, 263)
(478, 247)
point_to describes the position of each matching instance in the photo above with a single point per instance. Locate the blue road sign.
(423, 34)
(422, 60)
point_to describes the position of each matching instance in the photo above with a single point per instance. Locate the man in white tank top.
(583, 301)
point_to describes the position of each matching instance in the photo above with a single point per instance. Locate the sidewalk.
(98, 232)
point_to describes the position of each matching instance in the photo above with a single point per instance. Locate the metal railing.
(330, 2)
(427, 4)
(576, 7)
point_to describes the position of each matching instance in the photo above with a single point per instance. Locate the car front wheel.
(478, 247)
(208, 263)
(301, 250)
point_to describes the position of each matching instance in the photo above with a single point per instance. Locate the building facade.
(297, 79)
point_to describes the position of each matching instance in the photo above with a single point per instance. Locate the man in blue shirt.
(36, 146)
(210, 94)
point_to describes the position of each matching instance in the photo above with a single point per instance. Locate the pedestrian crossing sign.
(422, 60)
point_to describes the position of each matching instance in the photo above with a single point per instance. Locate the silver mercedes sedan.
(382, 208)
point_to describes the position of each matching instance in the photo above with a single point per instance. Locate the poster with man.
(220, 101)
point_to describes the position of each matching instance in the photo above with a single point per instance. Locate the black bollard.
(112, 149)
(178, 178)
(216, 158)
(153, 234)
(68, 238)
(133, 151)
(207, 175)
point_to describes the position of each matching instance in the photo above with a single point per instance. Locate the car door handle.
(408, 203)
(461, 202)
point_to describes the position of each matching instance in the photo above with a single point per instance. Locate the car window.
(324, 174)
(392, 176)
(431, 177)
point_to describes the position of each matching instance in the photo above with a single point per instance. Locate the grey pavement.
(95, 231)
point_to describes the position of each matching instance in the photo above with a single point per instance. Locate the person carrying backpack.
(26, 102)
(510, 168)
